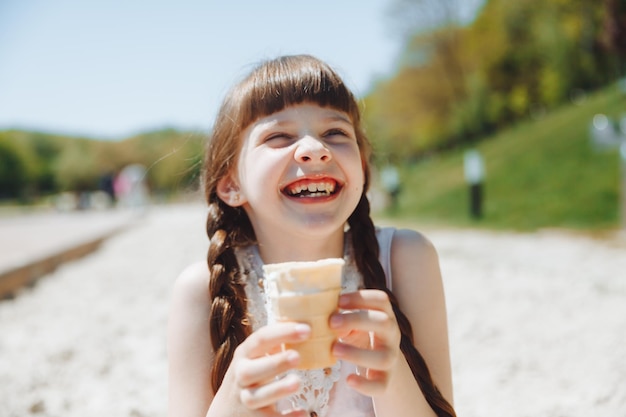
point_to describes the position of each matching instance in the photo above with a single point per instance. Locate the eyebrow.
(338, 118)
(326, 118)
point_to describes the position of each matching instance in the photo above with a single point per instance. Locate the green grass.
(539, 174)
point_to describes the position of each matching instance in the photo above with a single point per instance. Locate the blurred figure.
(607, 134)
(106, 185)
(130, 187)
(390, 179)
(66, 201)
(474, 176)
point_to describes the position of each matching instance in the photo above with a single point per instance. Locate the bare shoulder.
(412, 250)
(190, 303)
(417, 281)
(192, 283)
(415, 268)
(411, 238)
(190, 308)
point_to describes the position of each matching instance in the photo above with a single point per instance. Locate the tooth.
(320, 189)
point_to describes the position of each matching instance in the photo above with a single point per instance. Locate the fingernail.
(338, 350)
(336, 320)
(303, 330)
(352, 383)
(343, 301)
(293, 357)
(292, 381)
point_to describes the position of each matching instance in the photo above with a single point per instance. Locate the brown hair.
(271, 87)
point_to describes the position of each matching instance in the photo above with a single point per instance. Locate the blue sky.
(109, 69)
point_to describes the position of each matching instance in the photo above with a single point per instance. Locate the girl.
(286, 176)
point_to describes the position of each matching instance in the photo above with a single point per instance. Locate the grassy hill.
(543, 173)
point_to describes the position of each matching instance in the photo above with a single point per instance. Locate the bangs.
(293, 80)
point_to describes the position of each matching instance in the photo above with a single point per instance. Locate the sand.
(537, 324)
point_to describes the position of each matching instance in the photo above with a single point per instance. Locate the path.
(34, 244)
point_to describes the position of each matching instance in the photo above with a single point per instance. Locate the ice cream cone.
(307, 292)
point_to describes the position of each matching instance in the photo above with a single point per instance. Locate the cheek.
(360, 170)
(259, 172)
(358, 190)
(357, 181)
(364, 170)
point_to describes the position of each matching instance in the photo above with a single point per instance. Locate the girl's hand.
(369, 337)
(258, 362)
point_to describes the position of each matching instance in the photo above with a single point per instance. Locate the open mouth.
(312, 188)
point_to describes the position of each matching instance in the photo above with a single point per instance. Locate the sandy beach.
(537, 323)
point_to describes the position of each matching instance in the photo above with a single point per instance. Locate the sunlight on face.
(301, 167)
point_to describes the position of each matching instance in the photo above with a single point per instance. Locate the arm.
(418, 286)
(419, 291)
(188, 344)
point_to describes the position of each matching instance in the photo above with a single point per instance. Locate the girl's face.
(299, 172)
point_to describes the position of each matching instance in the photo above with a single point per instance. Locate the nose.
(312, 149)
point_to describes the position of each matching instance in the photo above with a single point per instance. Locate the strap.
(385, 236)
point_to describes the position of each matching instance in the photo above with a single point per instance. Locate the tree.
(76, 169)
(458, 81)
(432, 29)
(614, 32)
(14, 175)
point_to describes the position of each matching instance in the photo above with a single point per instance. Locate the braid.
(229, 324)
(366, 253)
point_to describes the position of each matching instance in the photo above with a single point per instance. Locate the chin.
(319, 225)
(304, 225)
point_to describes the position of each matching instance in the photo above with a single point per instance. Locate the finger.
(372, 384)
(380, 359)
(268, 339)
(356, 338)
(257, 371)
(366, 299)
(375, 321)
(267, 395)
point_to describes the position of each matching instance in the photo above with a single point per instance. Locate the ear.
(229, 192)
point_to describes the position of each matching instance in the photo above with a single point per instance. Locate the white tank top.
(324, 392)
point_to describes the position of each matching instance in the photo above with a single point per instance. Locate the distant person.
(130, 187)
(107, 185)
(121, 186)
(474, 169)
(390, 179)
(286, 170)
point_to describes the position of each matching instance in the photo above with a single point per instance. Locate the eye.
(278, 139)
(338, 134)
(335, 132)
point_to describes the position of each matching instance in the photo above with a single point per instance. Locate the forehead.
(298, 112)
